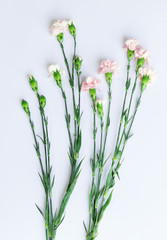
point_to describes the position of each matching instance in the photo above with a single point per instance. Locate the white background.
(138, 209)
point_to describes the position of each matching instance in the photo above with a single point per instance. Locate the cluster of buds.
(42, 100)
(146, 74)
(59, 27)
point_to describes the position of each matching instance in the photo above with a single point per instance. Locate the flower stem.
(129, 108)
(123, 107)
(67, 116)
(107, 122)
(71, 80)
(93, 163)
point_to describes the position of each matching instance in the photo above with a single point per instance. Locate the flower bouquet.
(102, 185)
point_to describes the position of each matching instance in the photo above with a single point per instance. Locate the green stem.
(68, 122)
(133, 89)
(94, 132)
(131, 124)
(41, 165)
(74, 56)
(71, 80)
(129, 108)
(46, 233)
(123, 107)
(107, 122)
(101, 157)
(93, 168)
(49, 174)
(79, 101)
(66, 62)
(73, 95)
(100, 164)
(44, 134)
(37, 148)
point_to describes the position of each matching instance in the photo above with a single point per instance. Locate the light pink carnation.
(100, 101)
(59, 26)
(90, 83)
(142, 53)
(147, 71)
(131, 44)
(109, 66)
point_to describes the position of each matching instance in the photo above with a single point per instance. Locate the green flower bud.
(130, 54)
(33, 84)
(140, 62)
(25, 107)
(72, 29)
(60, 37)
(145, 81)
(108, 77)
(92, 92)
(42, 101)
(78, 63)
(57, 77)
(100, 107)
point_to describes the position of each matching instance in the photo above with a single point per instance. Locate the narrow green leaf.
(104, 206)
(85, 227)
(40, 210)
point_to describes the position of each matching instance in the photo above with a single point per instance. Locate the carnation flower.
(100, 102)
(90, 83)
(142, 53)
(109, 66)
(131, 44)
(55, 67)
(146, 76)
(147, 71)
(59, 26)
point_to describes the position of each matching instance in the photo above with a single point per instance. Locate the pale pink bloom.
(109, 66)
(131, 44)
(142, 53)
(59, 26)
(90, 83)
(147, 71)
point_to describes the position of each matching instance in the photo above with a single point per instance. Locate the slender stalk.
(133, 118)
(123, 107)
(37, 147)
(74, 56)
(71, 80)
(67, 121)
(43, 173)
(133, 89)
(107, 122)
(94, 229)
(100, 165)
(93, 169)
(49, 175)
(79, 101)
(129, 108)
(73, 94)
(44, 134)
